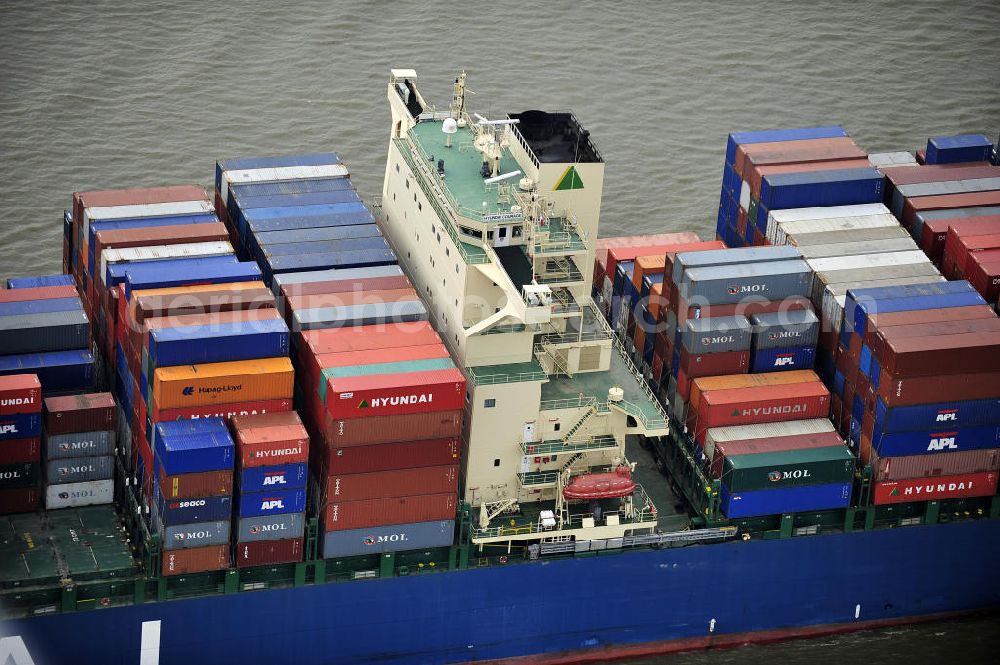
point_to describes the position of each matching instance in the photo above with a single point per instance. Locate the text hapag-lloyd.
(212, 390)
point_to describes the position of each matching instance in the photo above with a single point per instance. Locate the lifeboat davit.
(612, 485)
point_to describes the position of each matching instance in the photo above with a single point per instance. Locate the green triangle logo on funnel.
(570, 180)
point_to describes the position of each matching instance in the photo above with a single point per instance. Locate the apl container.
(933, 489)
(381, 539)
(80, 444)
(265, 478)
(20, 426)
(270, 527)
(268, 552)
(939, 414)
(783, 359)
(273, 501)
(186, 536)
(195, 560)
(804, 498)
(936, 440)
(75, 495)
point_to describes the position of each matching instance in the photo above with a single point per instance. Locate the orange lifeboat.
(612, 485)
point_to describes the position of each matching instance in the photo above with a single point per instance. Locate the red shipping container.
(387, 456)
(958, 248)
(926, 356)
(932, 489)
(776, 445)
(20, 393)
(369, 338)
(684, 388)
(920, 204)
(20, 450)
(929, 466)
(930, 389)
(385, 429)
(695, 365)
(395, 394)
(266, 440)
(393, 483)
(603, 245)
(311, 366)
(91, 412)
(757, 174)
(787, 152)
(934, 233)
(222, 410)
(341, 285)
(657, 368)
(878, 322)
(139, 196)
(748, 307)
(908, 175)
(21, 500)
(38, 293)
(195, 560)
(340, 515)
(344, 298)
(268, 552)
(192, 485)
(651, 247)
(984, 275)
(151, 236)
(885, 337)
(150, 305)
(763, 404)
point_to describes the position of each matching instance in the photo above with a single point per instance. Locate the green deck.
(71, 544)
(484, 375)
(462, 179)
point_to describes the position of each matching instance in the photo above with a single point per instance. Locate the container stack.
(192, 494)
(297, 214)
(45, 330)
(272, 456)
(789, 168)
(20, 443)
(386, 405)
(925, 362)
(79, 436)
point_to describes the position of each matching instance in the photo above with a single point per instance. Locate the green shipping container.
(790, 468)
(402, 367)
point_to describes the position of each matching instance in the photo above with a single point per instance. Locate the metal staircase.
(580, 423)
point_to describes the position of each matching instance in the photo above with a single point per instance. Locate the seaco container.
(933, 489)
(224, 382)
(75, 495)
(389, 538)
(788, 468)
(79, 413)
(20, 393)
(803, 498)
(393, 483)
(174, 512)
(268, 552)
(347, 432)
(394, 455)
(197, 560)
(340, 515)
(399, 394)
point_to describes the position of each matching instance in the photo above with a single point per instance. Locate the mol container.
(789, 468)
(387, 538)
(722, 452)
(75, 495)
(80, 444)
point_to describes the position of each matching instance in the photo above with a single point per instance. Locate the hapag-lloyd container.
(79, 413)
(184, 536)
(79, 469)
(14, 451)
(720, 285)
(784, 500)
(746, 406)
(264, 478)
(939, 414)
(932, 489)
(936, 441)
(393, 483)
(75, 495)
(394, 455)
(789, 468)
(768, 431)
(271, 502)
(717, 334)
(270, 527)
(392, 538)
(224, 382)
(16, 476)
(341, 515)
(195, 485)
(268, 552)
(350, 432)
(20, 393)
(930, 466)
(387, 394)
(80, 444)
(722, 451)
(226, 411)
(197, 560)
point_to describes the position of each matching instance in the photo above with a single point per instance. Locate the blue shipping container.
(818, 188)
(326, 246)
(192, 511)
(777, 360)
(929, 416)
(20, 426)
(58, 371)
(266, 478)
(40, 306)
(207, 451)
(272, 502)
(218, 342)
(359, 259)
(906, 298)
(138, 223)
(352, 214)
(270, 238)
(898, 444)
(182, 428)
(192, 271)
(239, 192)
(956, 149)
(34, 282)
(115, 273)
(785, 500)
(779, 136)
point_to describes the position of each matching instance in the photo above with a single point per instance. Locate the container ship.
(280, 424)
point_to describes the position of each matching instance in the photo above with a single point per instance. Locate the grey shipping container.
(403, 311)
(948, 213)
(807, 239)
(49, 331)
(717, 334)
(684, 261)
(79, 469)
(272, 527)
(202, 534)
(903, 192)
(901, 244)
(379, 539)
(915, 266)
(74, 495)
(80, 444)
(798, 327)
(723, 285)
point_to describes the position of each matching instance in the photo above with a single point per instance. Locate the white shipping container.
(199, 207)
(74, 495)
(153, 252)
(717, 435)
(778, 229)
(837, 263)
(851, 235)
(858, 248)
(886, 159)
(280, 174)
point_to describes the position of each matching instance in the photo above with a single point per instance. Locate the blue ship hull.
(550, 606)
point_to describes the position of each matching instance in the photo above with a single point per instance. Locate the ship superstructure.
(495, 219)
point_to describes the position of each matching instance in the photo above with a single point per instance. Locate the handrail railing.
(505, 377)
(581, 444)
(567, 403)
(447, 221)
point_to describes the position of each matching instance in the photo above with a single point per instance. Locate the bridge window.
(490, 403)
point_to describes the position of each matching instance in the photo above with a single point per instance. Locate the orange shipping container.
(218, 383)
(734, 381)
